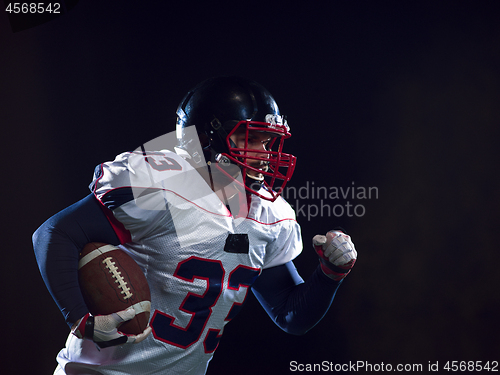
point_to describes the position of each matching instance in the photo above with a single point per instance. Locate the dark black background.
(400, 96)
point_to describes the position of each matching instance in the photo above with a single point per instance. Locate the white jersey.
(198, 258)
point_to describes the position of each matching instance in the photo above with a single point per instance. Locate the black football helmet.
(219, 107)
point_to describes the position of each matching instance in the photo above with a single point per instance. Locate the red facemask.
(270, 164)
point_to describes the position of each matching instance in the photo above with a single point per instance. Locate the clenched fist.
(336, 252)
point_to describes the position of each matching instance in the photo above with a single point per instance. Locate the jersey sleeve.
(286, 247)
(286, 243)
(135, 188)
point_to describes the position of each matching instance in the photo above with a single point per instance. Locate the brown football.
(111, 281)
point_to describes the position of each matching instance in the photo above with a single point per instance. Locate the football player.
(205, 223)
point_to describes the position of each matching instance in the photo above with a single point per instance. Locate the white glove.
(336, 252)
(103, 329)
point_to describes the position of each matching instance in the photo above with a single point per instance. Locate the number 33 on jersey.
(199, 278)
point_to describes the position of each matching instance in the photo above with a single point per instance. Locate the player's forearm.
(295, 306)
(57, 244)
(307, 304)
(57, 258)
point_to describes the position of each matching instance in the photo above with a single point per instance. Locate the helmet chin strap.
(255, 178)
(253, 182)
(259, 177)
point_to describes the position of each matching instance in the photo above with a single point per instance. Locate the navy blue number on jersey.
(200, 306)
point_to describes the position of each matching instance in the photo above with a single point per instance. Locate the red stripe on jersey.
(123, 234)
(275, 222)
